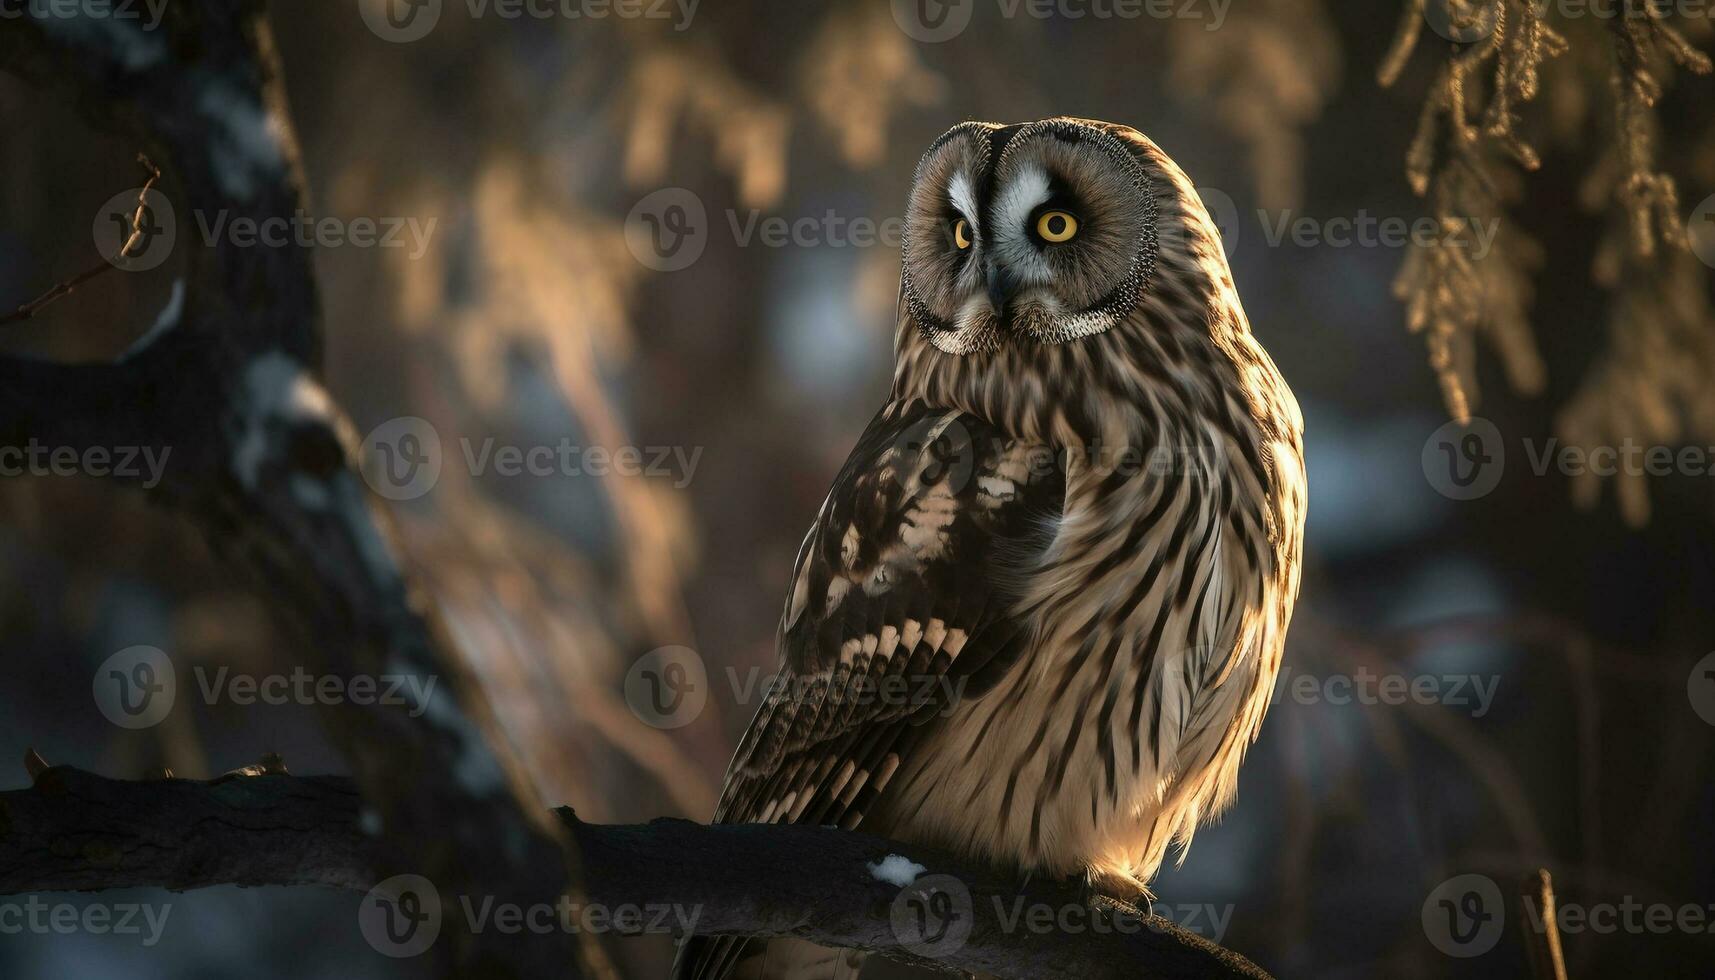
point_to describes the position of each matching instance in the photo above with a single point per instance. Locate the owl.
(1037, 619)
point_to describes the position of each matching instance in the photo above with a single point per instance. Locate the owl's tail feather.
(775, 959)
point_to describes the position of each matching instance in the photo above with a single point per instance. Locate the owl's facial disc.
(944, 243)
(1045, 232)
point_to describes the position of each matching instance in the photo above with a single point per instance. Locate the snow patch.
(135, 47)
(373, 547)
(896, 870)
(278, 392)
(475, 767)
(247, 144)
(310, 493)
(168, 319)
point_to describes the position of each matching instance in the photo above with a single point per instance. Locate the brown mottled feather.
(823, 737)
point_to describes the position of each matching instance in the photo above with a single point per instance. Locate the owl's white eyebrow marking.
(964, 197)
(1009, 238)
(1020, 197)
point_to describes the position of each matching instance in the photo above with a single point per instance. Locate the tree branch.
(127, 249)
(74, 830)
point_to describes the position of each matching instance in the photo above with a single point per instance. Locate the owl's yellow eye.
(1056, 226)
(961, 234)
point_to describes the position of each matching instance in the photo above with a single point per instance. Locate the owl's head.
(1039, 233)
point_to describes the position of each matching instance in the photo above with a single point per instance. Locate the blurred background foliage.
(528, 320)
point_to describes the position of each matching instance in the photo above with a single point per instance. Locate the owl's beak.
(1002, 286)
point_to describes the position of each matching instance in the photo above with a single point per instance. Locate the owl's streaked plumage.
(1080, 510)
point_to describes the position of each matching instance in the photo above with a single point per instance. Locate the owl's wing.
(902, 599)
